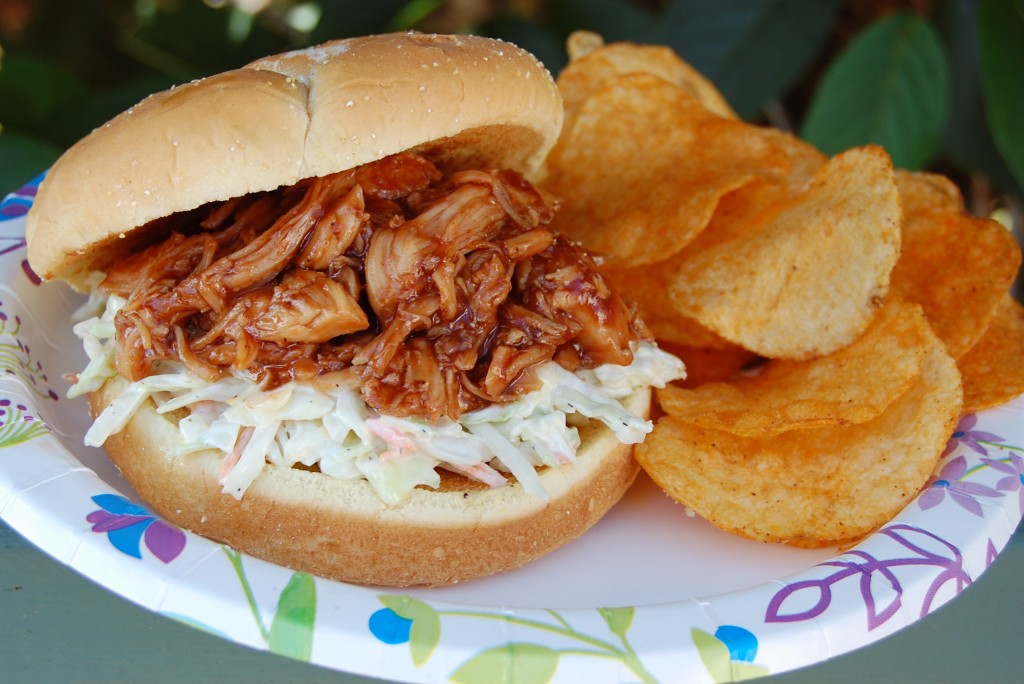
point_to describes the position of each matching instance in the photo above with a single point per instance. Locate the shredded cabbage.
(335, 430)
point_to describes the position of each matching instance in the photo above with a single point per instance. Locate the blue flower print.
(741, 642)
(128, 525)
(390, 627)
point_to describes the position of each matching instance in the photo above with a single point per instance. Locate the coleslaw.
(332, 428)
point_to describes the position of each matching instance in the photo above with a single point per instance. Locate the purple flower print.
(948, 482)
(128, 525)
(1014, 480)
(970, 438)
(924, 549)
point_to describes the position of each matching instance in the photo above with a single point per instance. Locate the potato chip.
(647, 287)
(849, 386)
(956, 266)
(812, 412)
(639, 204)
(805, 160)
(579, 44)
(739, 215)
(813, 270)
(993, 369)
(920, 190)
(595, 65)
(811, 487)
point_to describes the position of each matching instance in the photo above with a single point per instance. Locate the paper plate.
(650, 594)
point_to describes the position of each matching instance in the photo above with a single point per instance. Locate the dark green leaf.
(22, 158)
(78, 34)
(613, 19)
(291, 632)
(412, 14)
(33, 90)
(193, 39)
(968, 141)
(618, 619)
(752, 51)
(425, 633)
(1001, 41)
(510, 664)
(889, 86)
(343, 18)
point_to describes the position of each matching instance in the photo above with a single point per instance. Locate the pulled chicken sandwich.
(329, 322)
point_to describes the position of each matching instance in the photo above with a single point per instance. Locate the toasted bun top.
(461, 100)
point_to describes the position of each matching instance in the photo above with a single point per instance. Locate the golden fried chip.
(647, 287)
(958, 267)
(811, 487)
(805, 160)
(849, 386)
(920, 190)
(993, 370)
(638, 203)
(814, 269)
(739, 215)
(595, 65)
(579, 44)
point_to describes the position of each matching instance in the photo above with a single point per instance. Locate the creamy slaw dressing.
(331, 427)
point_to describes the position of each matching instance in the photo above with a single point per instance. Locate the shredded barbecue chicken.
(435, 295)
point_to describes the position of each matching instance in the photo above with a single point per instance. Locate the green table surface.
(56, 627)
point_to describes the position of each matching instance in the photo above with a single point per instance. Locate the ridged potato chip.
(849, 386)
(811, 272)
(812, 487)
(957, 266)
(647, 287)
(825, 308)
(736, 214)
(923, 191)
(639, 205)
(594, 65)
(805, 160)
(993, 369)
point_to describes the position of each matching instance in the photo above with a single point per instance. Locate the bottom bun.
(341, 529)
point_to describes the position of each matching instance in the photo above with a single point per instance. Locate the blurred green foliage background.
(938, 82)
